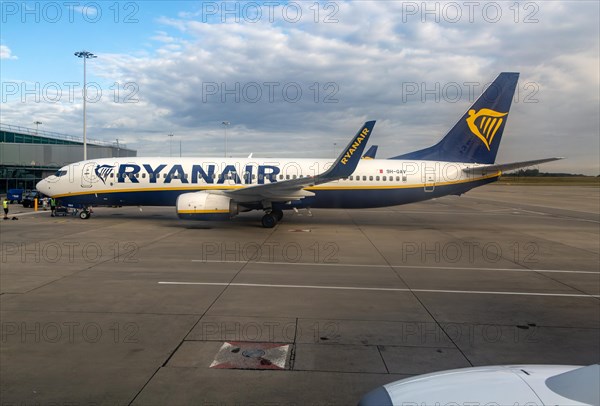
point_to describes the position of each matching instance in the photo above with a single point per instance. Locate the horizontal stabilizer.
(507, 167)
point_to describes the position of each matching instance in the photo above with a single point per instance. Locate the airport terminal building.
(28, 155)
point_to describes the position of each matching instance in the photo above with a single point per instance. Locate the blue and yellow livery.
(220, 188)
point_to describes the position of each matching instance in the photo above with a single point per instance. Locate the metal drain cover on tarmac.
(238, 355)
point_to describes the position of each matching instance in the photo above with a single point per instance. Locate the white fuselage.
(158, 181)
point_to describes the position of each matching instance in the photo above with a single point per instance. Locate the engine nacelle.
(205, 206)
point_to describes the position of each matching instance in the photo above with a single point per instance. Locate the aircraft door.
(429, 179)
(87, 174)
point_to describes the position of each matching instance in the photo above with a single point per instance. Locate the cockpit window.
(60, 172)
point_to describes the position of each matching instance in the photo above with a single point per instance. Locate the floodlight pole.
(37, 123)
(170, 144)
(225, 124)
(85, 55)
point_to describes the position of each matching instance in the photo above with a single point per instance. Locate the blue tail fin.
(476, 136)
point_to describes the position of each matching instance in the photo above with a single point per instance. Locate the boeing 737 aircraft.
(220, 188)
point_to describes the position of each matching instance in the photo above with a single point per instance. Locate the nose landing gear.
(85, 213)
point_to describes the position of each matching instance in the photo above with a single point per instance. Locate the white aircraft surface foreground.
(220, 188)
(515, 385)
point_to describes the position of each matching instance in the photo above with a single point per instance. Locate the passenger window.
(377, 178)
(143, 176)
(287, 177)
(364, 177)
(384, 178)
(370, 178)
(403, 178)
(398, 178)
(294, 177)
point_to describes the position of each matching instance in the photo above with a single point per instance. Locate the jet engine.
(205, 206)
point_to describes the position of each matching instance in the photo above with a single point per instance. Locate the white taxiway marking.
(480, 292)
(28, 213)
(450, 268)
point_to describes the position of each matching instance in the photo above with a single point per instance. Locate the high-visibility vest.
(5, 204)
(52, 202)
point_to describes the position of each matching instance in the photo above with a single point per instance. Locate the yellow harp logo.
(484, 124)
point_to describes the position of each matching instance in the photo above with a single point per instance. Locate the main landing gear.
(271, 218)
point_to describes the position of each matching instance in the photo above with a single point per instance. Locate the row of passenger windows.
(378, 178)
(280, 177)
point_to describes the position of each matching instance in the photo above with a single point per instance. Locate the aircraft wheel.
(269, 220)
(84, 215)
(278, 214)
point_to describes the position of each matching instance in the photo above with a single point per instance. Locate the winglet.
(346, 163)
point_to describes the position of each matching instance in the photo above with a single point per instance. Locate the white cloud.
(363, 63)
(6, 53)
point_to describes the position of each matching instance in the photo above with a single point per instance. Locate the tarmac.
(139, 307)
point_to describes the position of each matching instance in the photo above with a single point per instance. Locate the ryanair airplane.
(220, 188)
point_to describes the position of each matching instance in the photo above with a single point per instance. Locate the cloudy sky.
(297, 79)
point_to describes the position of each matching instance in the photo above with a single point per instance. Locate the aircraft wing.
(292, 189)
(507, 167)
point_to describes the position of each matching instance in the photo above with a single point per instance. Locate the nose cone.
(43, 187)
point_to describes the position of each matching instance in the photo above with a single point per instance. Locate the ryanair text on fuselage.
(130, 172)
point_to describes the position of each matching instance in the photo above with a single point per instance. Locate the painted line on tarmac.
(28, 213)
(449, 268)
(478, 292)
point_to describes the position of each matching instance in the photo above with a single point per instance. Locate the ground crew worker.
(5, 207)
(52, 206)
